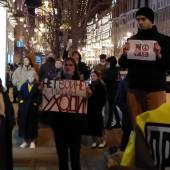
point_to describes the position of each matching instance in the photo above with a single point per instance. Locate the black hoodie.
(148, 75)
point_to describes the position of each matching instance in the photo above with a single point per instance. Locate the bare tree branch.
(59, 4)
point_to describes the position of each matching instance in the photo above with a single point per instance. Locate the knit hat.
(147, 12)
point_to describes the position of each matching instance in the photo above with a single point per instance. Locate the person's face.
(58, 64)
(103, 60)
(69, 67)
(107, 64)
(26, 62)
(143, 22)
(76, 57)
(31, 78)
(94, 77)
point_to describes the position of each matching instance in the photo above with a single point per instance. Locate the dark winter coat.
(83, 69)
(47, 70)
(3, 152)
(28, 111)
(148, 75)
(6, 125)
(110, 78)
(94, 112)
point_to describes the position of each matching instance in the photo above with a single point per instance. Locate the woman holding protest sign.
(66, 123)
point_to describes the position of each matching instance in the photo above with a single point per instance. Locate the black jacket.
(47, 70)
(96, 103)
(6, 125)
(83, 69)
(148, 75)
(28, 112)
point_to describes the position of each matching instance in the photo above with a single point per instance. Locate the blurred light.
(40, 33)
(35, 30)
(41, 25)
(129, 34)
(46, 3)
(21, 19)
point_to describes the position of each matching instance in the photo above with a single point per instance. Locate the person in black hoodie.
(146, 78)
(47, 69)
(110, 77)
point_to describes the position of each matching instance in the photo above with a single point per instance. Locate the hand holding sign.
(126, 48)
(157, 50)
(68, 96)
(142, 50)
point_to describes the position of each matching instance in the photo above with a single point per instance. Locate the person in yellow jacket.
(149, 145)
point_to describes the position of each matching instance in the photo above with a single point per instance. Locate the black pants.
(6, 160)
(15, 93)
(68, 143)
(112, 111)
(3, 152)
(127, 128)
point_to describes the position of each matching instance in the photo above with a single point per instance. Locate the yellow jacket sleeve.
(128, 158)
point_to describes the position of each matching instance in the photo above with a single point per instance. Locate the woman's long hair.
(112, 60)
(30, 61)
(76, 52)
(76, 75)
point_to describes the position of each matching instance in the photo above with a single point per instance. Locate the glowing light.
(46, 4)
(128, 34)
(41, 25)
(21, 19)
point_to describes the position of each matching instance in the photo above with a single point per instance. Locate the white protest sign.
(141, 50)
(64, 96)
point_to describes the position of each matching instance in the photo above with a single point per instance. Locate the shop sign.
(20, 43)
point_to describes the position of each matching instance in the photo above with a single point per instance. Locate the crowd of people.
(108, 95)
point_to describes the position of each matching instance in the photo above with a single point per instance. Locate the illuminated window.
(114, 2)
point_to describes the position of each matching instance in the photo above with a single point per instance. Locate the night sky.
(33, 3)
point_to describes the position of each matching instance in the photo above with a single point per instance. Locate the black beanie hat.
(147, 12)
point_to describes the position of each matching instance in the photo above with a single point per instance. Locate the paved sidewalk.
(45, 158)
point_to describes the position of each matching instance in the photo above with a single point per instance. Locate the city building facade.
(162, 15)
(99, 39)
(8, 22)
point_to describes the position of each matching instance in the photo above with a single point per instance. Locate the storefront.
(7, 25)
